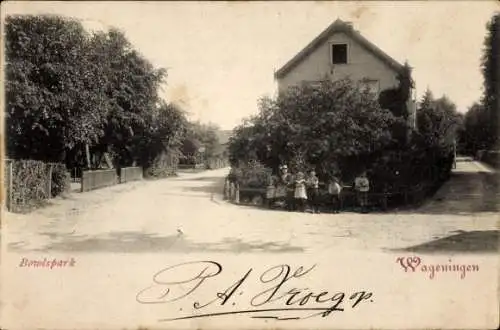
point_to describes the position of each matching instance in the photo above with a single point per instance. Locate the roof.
(337, 27)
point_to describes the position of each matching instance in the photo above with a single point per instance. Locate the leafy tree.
(69, 92)
(475, 137)
(438, 121)
(132, 85)
(54, 99)
(204, 136)
(165, 134)
(491, 67)
(315, 127)
(395, 99)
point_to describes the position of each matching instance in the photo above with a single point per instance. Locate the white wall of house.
(361, 64)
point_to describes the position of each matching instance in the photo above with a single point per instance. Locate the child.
(288, 182)
(271, 191)
(334, 190)
(313, 191)
(281, 192)
(362, 186)
(300, 191)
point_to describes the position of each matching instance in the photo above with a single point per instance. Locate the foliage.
(68, 91)
(252, 175)
(314, 126)
(164, 165)
(60, 180)
(338, 129)
(438, 121)
(481, 123)
(474, 136)
(395, 99)
(428, 156)
(53, 90)
(29, 183)
(203, 137)
(132, 85)
(490, 63)
(164, 135)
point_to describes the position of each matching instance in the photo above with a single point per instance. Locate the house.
(342, 52)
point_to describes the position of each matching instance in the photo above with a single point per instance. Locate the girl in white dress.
(300, 191)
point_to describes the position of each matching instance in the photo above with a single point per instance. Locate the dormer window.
(339, 53)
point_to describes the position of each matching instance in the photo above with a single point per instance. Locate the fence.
(29, 182)
(240, 194)
(128, 174)
(98, 179)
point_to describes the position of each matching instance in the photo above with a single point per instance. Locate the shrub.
(163, 166)
(252, 175)
(312, 126)
(28, 183)
(60, 180)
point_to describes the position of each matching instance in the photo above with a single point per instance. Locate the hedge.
(30, 182)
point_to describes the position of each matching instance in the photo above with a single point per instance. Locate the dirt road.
(119, 237)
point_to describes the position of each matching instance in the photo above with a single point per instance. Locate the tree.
(334, 122)
(165, 134)
(132, 85)
(204, 136)
(70, 92)
(396, 99)
(54, 98)
(438, 121)
(490, 65)
(475, 137)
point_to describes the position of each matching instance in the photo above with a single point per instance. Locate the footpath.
(472, 188)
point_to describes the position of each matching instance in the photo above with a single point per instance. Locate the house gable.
(364, 60)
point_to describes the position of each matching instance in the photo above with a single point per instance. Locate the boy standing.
(362, 186)
(334, 190)
(313, 191)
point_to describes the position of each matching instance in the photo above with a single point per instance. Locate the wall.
(98, 179)
(128, 174)
(361, 64)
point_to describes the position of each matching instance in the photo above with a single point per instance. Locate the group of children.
(299, 191)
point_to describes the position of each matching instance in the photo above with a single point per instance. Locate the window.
(339, 54)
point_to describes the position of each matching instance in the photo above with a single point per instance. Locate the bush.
(60, 180)
(338, 129)
(30, 182)
(251, 175)
(163, 166)
(314, 127)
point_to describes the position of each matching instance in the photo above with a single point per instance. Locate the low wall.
(128, 174)
(98, 179)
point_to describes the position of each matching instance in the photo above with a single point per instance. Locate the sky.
(221, 56)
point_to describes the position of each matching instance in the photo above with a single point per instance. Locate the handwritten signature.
(180, 282)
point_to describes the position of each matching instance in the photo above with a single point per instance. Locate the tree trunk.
(87, 154)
